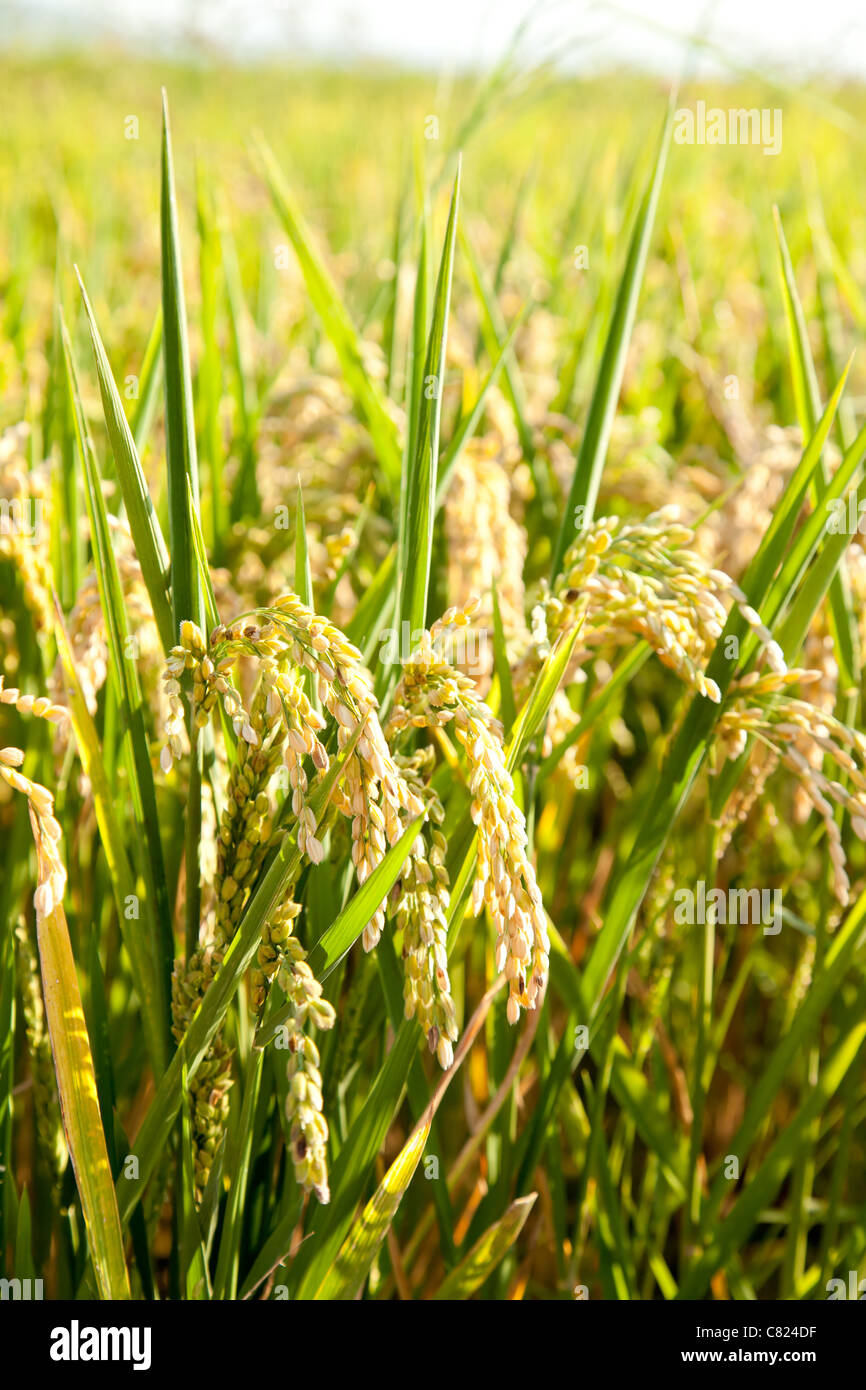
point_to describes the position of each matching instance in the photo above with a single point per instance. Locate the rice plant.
(431, 779)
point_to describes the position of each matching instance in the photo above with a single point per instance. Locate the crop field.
(432, 786)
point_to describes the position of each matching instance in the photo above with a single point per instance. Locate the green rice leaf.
(124, 670)
(76, 1084)
(181, 457)
(538, 702)
(486, 1254)
(596, 436)
(212, 616)
(420, 487)
(143, 521)
(808, 400)
(346, 1276)
(148, 387)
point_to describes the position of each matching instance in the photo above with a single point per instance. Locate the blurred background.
(562, 101)
(462, 34)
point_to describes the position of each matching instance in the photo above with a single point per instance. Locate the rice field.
(432, 777)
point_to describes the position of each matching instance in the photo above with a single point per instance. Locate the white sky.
(758, 34)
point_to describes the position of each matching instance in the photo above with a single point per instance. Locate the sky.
(455, 34)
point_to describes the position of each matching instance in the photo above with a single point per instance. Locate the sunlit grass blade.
(792, 633)
(808, 402)
(417, 341)
(580, 504)
(346, 1276)
(303, 572)
(128, 687)
(348, 1178)
(187, 600)
(245, 495)
(804, 576)
(211, 612)
(766, 581)
(814, 537)
(143, 521)
(420, 511)
(76, 1084)
(181, 457)
(148, 387)
(487, 1252)
(209, 382)
(538, 702)
(807, 394)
